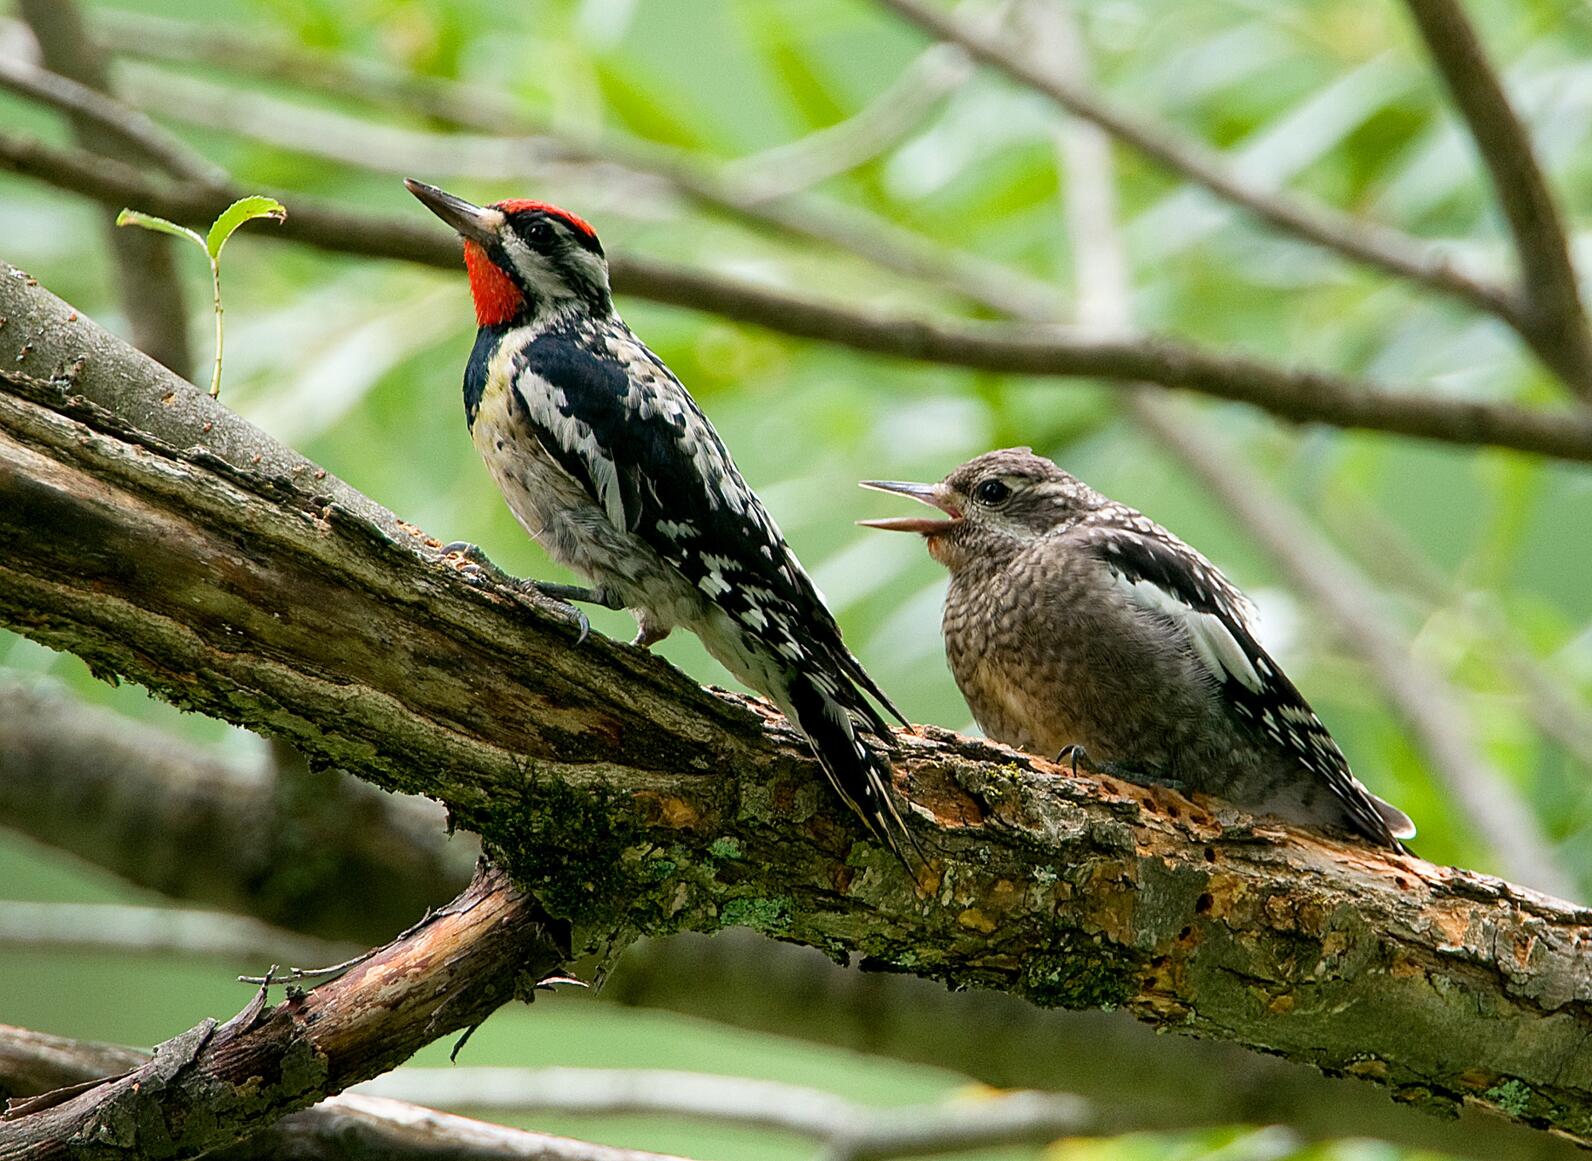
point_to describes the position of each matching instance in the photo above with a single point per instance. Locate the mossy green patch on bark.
(768, 916)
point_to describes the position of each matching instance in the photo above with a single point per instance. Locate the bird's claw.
(560, 595)
(471, 563)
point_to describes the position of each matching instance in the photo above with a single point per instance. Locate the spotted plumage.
(1075, 621)
(605, 459)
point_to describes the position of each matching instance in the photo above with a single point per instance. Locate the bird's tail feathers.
(858, 772)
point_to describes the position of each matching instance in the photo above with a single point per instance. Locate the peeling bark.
(165, 541)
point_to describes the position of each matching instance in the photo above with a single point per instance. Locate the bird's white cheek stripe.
(1215, 644)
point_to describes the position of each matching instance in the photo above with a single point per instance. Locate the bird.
(1076, 627)
(606, 460)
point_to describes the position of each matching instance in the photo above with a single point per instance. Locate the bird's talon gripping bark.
(471, 563)
(567, 595)
(1073, 753)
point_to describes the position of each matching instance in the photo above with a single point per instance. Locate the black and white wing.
(619, 422)
(1163, 575)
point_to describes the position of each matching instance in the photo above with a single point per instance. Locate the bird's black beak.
(474, 223)
(934, 495)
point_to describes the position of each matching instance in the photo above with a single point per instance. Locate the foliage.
(241, 211)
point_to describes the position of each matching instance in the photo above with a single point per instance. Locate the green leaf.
(240, 211)
(159, 225)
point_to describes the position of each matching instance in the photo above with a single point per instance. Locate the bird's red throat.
(497, 299)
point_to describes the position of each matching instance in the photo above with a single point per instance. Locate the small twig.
(1554, 320)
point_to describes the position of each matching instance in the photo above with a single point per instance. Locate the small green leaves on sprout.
(241, 211)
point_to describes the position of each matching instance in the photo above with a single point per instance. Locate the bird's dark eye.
(538, 233)
(991, 493)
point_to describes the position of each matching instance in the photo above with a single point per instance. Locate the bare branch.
(150, 291)
(630, 799)
(1367, 242)
(215, 1084)
(1548, 697)
(846, 1128)
(348, 1127)
(1300, 396)
(873, 130)
(181, 820)
(807, 218)
(365, 1128)
(132, 129)
(125, 928)
(1553, 319)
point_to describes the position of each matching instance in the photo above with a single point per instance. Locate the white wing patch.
(546, 405)
(1212, 640)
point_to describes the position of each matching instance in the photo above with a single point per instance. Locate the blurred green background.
(1476, 554)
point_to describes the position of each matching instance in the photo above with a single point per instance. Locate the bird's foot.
(1072, 753)
(567, 595)
(473, 564)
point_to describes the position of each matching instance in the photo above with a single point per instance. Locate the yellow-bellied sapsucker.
(1076, 623)
(608, 462)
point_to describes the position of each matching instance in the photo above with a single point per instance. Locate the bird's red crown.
(497, 299)
(573, 221)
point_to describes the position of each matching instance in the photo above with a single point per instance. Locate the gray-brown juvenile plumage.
(1074, 622)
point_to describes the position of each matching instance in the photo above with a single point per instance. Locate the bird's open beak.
(474, 223)
(934, 495)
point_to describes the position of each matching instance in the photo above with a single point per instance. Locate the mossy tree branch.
(164, 540)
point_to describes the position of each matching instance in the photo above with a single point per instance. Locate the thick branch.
(1300, 396)
(216, 1084)
(1553, 319)
(739, 978)
(230, 579)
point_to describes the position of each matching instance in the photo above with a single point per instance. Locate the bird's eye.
(992, 492)
(538, 233)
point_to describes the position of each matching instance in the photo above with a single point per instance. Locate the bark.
(166, 541)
